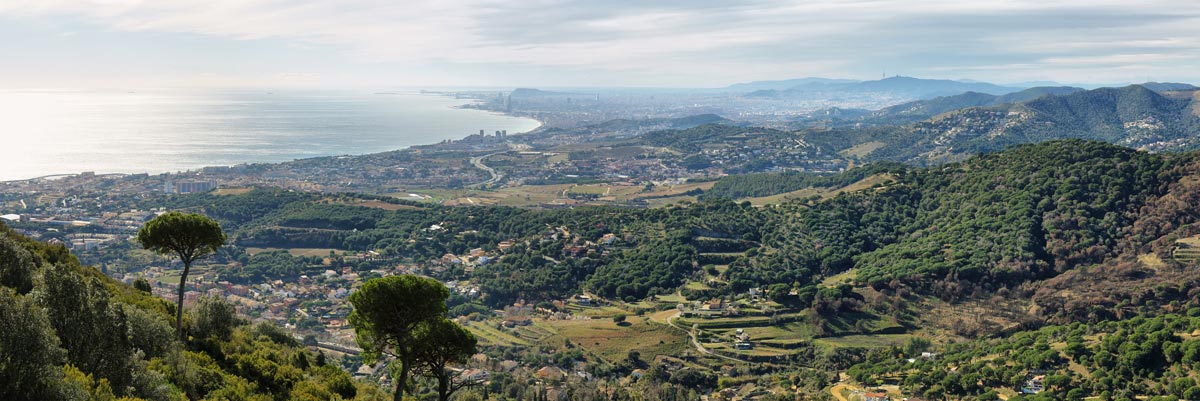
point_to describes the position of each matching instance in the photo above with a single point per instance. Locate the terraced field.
(1187, 249)
(489, 335)
(613, 342)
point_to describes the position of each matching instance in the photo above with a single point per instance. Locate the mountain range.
(951, 128)
(907, 87)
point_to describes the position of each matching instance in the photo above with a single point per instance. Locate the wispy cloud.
(698, 41)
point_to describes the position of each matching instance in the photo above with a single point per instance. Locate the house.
(583, 300)
(608, 239)
(637, 374)
(1034, 385)
(509, 365)
(474, 375)
(366, 371)
(517, 321)
(713, 305)
(574, 250)
(875, 396)
(551, 373)
(743, 345)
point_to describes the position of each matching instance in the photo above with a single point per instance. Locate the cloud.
(697, 40)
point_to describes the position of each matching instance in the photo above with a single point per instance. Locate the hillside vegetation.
(67, 332)
(1055, 233)
(998, 221)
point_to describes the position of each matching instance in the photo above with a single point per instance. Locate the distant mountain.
(1132, 116)
(893, 87)
(1168, 86)
(939, 105)
(784, 84)
(531, 92)
(914, 111)
(929, 87)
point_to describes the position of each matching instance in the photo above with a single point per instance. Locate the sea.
(65, 132)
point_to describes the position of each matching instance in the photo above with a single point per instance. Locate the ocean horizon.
(69, 132)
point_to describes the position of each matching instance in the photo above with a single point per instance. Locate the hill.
(1055, 233)
(1002, 220)
(1169, 86)
(1131, 116)
(784, 84)
(533, 93)
(899, 87)
(917, 110)
(71, 333)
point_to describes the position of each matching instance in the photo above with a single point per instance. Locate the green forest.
(1078, 234)
(993, 222)
(67, 332)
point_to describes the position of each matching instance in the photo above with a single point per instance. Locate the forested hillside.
(1131, 116)
(1059, 232)
(1119, 360)
(998, 221)
(68, 332)
(991, 222)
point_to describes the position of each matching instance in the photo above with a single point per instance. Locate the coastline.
(538, 124)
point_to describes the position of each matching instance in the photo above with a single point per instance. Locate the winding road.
(478, 162)
(695, 342)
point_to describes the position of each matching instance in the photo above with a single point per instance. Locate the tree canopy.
(387, 313)
(188, 237)
(440, 343)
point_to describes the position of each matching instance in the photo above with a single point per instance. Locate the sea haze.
(56, 132)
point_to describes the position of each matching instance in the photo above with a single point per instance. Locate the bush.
(214, 318)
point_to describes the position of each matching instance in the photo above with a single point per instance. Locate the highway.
(496, 176)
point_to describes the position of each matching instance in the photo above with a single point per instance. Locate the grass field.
(613, 342)
(384, 205)
(596, 189)
(597, 311)
(489, 335)
(232, 191)
(863, 341)
(317, 252)
(862, 149)
(672, 298)
(1151, 260)
(825, 193)
(841, 278)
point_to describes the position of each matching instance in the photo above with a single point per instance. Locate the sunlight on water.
(67, 132)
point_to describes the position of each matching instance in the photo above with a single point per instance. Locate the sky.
(564, 43)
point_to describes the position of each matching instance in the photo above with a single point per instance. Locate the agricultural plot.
(613, 342)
